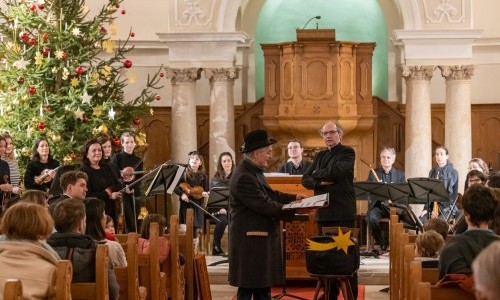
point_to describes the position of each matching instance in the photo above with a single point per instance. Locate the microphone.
(316, 17)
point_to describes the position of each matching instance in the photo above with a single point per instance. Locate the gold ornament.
(25, 151)
(140, 139)
(67, 160)
(56, 137)
(103, 129)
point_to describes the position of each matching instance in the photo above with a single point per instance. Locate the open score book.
(317, 201)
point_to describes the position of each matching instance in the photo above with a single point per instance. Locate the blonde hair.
(429, 244)
(34, 196)
(486, 272)
(27, 221)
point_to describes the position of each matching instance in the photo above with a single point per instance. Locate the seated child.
(428, 245)
(163, 243)
(110, 229)
(438, 225)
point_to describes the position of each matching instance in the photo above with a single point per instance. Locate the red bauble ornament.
(137, 121)
(117, 5)
(41, 125)
(32, 90)
(20, 79)
(48, 108)
(124, 11)
(162, 74)
(117, 142)
(33, 7)
(72, 155)
(103, 31)
(46, 51)
(127, 63)
(158, 97)
(64, 56)
(79, 71)
(24, 36)
(32, 41)
(45, 36)
(132, 34)
(85, 119)
(41, 6)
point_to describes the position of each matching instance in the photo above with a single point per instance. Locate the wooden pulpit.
(296, 231)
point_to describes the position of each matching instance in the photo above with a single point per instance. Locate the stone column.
(183, 137)
(418, 137)
(221, 113)
(458, 127)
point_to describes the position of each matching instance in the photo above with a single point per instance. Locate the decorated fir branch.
(63, 75)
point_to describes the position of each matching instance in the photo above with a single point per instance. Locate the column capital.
(417, 72)
(221, 74)
(186, 75)
(460, 72)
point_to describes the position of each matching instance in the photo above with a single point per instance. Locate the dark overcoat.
(335, 165)
(254, 240)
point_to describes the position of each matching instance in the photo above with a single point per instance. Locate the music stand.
(428, 189)
(401, 193)
(219, 198)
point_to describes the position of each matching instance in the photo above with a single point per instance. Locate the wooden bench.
(186, 248)
(419, 274)
(127, 277)
(202, 280)
(172, 266)
(13, 290)
(426, 291)
(150, 275)
(97, 290)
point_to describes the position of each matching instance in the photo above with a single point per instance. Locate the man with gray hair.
(376, 209)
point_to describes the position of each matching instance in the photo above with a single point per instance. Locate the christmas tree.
(62, 76)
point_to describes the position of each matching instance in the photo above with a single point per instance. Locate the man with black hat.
(255, 263)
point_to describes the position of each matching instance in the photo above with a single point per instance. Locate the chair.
(97, 290)
(127, 277)
(13, 290)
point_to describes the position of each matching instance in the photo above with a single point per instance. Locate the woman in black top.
(225, 166)
(102, 182)
(42, 165)
(196, 176)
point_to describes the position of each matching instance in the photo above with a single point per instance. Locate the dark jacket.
(34, 169)
(254, 240)
(80, 249)
(336, 165)
(449, 176)
(289, 167)
(458, 254)
(394, 176)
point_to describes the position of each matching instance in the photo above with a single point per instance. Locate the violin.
(128, 174)
(192, 191)
(45, 176)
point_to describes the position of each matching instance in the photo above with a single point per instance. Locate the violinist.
(102, 183)
(5, 186)
(42, 168)
(388, 174)
(10, 158)
(196, 180)
(131, 167)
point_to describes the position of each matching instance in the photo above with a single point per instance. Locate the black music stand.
(427, 190)
(399, 192)
(296, 217)
(400, 195)
(163, 180)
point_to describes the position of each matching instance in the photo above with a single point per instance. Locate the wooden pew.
(149, 268)
(97, 290)
(13, 290)
(186, 248)
(127, 277)
(64, 275)
(394, 255)
(426, 291)
(419, 274)
(393, 220)
(172, 267)
(408, 256)
(202, 280)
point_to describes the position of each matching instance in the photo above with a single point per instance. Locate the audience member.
(34, 196)
(487, 273)
(71, 242)
(428, 245)
(295, 165)
(438, 225)
(479, 205)
(110, 229)
(475, 177)
(163, 243)
(480, 165)
(96, 223)
(24, 254)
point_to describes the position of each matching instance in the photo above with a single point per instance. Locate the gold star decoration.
(76, 31)
(95, 131)
(97, 110)
(108, 46)
(38, 58)
(86, 98)
(79, 113)
(21, 64)
(105, 71)
(59, 54)
(74, 82)
(343, 240)
(315, 246)
(111, 114)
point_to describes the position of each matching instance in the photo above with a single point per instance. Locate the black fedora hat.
(256, 139)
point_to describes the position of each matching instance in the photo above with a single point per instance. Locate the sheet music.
(178, 175)
(317, 201)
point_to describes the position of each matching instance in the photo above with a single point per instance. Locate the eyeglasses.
(332, 132)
